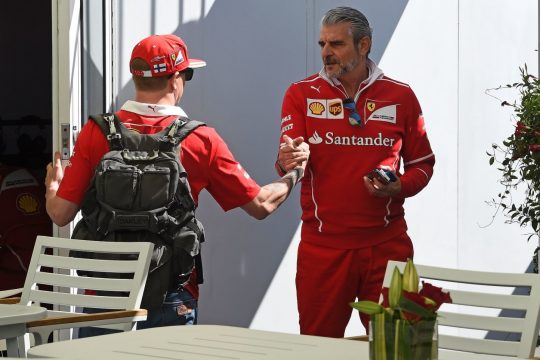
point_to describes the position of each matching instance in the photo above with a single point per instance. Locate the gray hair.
(359, 23)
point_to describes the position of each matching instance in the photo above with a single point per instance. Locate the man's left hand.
(293, 153)
(379, 189)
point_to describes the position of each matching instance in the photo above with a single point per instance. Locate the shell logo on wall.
(27, 204)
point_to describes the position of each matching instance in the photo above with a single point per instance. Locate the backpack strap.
(188, 127)
(178, 130)
(110, 126)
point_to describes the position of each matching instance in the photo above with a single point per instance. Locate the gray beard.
(344, 69)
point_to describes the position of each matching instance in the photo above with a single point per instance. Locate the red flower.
(436, 294)
(429, 297)
(418, 299)
(534, 148)
(521, 128)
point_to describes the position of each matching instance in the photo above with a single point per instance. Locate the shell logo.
(316, 108)
(27, 204)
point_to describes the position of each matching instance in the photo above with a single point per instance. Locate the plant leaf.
(367, 307)
(410, 277)
(395, 289)
(412, 307)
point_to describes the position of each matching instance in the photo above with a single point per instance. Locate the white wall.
(449, 51)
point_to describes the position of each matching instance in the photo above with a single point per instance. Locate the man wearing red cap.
(160, 65)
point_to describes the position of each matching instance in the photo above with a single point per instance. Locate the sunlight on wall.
(208, 5)
(140, 18)
(166, 16)
(191, 10)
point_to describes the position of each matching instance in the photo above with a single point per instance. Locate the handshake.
(293, 155)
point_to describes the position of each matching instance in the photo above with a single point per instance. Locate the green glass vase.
(397, 339)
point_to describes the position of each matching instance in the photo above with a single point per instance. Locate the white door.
(66, 73)
(81, 84)
(82, 71)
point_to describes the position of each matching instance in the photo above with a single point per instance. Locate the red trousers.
(328, 279)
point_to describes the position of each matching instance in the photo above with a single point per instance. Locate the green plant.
(518, 158)
(405, 300)
(402, 326)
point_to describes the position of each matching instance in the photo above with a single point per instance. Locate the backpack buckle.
(171, 135)
(114, 136)
(173, 140)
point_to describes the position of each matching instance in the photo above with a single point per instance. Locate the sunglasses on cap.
(354, 116)
(188, 73)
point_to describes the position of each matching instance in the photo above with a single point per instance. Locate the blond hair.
(147, 83)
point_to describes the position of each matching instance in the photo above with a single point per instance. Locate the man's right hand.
(60, 211)
(55, 173)
(293, 153)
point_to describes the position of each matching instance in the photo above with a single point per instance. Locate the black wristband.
(296, 175)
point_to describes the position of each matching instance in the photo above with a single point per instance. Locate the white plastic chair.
(62, 288)
(10, 293)
(479, 297)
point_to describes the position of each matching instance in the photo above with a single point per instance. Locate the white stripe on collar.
(152, 109)
(374, 73)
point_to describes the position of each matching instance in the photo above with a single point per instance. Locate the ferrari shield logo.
(371, 106)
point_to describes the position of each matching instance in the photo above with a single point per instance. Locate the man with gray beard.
(352, 222)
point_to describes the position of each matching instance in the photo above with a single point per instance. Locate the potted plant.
(518, 158)
(404, 325)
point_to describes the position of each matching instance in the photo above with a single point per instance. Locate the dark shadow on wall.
(254, 50)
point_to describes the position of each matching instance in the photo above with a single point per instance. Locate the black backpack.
(140, 192)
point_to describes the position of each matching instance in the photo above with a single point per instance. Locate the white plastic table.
(13, 319)
(204, 342)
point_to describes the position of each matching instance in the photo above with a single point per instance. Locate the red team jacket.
(337, 209)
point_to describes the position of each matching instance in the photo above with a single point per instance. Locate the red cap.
(165, 54)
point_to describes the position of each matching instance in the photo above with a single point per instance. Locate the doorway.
(26, 90)
(25, 133)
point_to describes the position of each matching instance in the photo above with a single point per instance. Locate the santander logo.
(330, 138)
(315, 139)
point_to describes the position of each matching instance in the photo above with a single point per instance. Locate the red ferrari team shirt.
(208, 161)
(22, 200)
(337, 209)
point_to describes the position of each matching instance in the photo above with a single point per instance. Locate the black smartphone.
(383, 175)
